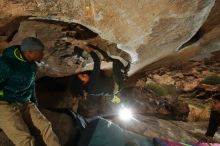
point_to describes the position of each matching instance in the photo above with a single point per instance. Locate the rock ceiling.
(147, 30)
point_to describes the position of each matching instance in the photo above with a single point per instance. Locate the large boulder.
(147, 30)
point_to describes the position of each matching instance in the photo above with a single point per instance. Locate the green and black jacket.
(17, 77)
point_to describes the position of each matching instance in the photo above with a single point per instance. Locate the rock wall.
(147, 30)
(60, 40)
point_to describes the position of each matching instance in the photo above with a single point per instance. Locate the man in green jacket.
(17, 94)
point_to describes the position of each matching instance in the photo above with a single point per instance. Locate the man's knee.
(26, 141)
(20, 137)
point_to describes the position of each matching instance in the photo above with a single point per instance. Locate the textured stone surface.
(173, 130)
(60, 40)
(148, 30)
(192, 82)
(204, 44)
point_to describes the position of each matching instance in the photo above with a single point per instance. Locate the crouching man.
(17, 92)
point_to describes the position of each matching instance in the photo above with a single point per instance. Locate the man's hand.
(86, 48)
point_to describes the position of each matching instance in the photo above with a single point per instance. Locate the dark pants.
(119, 72)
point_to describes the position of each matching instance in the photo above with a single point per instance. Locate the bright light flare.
(125, 114)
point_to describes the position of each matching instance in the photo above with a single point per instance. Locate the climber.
(17, 94)
(96, 82)
(119, 69)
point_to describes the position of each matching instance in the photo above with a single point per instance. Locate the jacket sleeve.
(96, 68)
(33, 95)
(213, 124)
